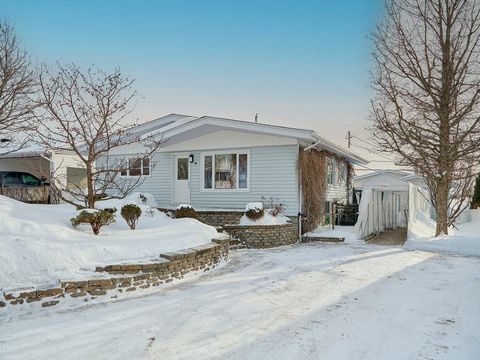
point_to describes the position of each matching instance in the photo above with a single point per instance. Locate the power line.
(374, 151)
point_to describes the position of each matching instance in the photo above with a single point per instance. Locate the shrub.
(96, 218)
(275, 207)
(131, 213)
(185, 211)
(254, 211)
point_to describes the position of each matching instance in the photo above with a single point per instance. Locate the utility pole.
(349, 139)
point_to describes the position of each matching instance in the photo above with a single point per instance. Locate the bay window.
(225, 171)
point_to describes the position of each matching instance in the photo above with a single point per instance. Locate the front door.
(181, 187)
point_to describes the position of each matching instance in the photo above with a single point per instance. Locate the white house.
(222, 164)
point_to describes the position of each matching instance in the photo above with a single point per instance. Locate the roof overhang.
(194, 127)
(323, 144)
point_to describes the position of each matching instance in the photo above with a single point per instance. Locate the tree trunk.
(441, 202)
(90, 191)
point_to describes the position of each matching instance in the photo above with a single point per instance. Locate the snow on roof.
(400, 173)
(29, 151)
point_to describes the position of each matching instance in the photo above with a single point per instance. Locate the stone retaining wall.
(219, 218)
(128, 277)
(264, 236)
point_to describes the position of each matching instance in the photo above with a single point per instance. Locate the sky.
(295, 63)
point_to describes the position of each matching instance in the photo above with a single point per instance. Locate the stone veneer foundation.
(129, 277)
(264, 236)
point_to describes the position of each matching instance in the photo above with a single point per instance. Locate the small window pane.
(207, 172)
(135, 167)
(30, 180)
(225, 171)
(182, 169)
(146, 166)
(330, 173)
(11, 179)
(242, 171)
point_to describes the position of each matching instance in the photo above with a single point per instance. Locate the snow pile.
(347, 232)
(463, 240)
(185, 206)
(38, 245)
(254, 206)
(266, 219)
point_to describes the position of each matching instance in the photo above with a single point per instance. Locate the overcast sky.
(295, 63)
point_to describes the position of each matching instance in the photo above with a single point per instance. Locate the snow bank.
(38, 244)
(465, 240)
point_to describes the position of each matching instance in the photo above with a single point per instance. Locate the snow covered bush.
(254, 211)
(185, 211)
(274, 206)
(131, 213)
(257, 214)
(96, 218)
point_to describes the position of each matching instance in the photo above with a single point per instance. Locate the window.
(182, 169)
(330, 172)
(226, 171)
(341, 173)
(136, 167)
(12, 179)
(30, 180)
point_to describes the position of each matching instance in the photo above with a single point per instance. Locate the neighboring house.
(63, 165)
(219, 164)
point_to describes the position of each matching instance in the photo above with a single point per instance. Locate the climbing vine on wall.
(313, 170)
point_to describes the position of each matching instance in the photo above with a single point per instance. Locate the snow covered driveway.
(301, 302)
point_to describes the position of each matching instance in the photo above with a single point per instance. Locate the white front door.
(181, 186)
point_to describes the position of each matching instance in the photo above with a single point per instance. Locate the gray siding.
(159, 183)
(273, 173)
(338, 190)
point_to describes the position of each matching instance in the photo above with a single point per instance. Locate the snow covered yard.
(308, 301)
(464, 239)
(39, 246)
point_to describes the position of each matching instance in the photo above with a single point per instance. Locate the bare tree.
(427, 105)
(17, 86)
(85, 112)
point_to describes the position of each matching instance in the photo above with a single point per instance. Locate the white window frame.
(223, 152)
(142, 174)
(332, 162)
(342, 178)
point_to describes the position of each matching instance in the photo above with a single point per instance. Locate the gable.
(384, 181)
(228, 139)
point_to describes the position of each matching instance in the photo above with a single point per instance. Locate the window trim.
(342, 176)
(237, 152)
(142, 174)
(332, 163)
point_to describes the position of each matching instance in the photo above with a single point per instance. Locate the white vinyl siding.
(337, 189)
(273, 173)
